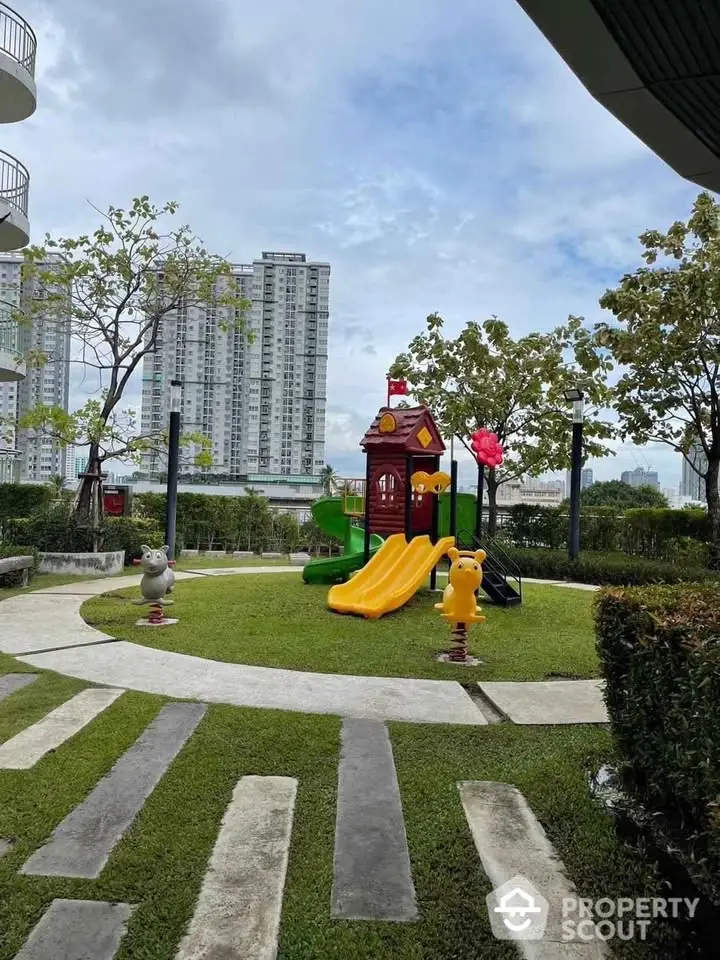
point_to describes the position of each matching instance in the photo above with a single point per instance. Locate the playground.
(277, 621)
(224, 769)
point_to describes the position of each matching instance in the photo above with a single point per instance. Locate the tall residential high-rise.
(692, 484)
(39, 457)
(640, 477)
(261, 402)
(586, 478)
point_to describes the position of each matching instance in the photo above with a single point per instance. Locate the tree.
(623, 496)
(667, 340)
(116, 291)
(328, 477)
(485, 378)
(58, 485)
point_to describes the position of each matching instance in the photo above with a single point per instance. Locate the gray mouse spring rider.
(157, 582)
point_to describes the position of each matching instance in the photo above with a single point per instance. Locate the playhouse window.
(388, 490)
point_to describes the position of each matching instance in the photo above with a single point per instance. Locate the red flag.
(397, 388)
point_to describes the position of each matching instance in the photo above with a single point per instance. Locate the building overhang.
(654, 64)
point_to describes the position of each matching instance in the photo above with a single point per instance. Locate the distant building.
(640, 477)
(39, 457)
(539, 493)
(692, 484)
(286, 494)
(586, 478)
(258, 394)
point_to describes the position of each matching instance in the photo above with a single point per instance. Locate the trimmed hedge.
(55, 531)
(16, 577)
(660, 653)
(23, 499)
(603, 568)
(213, 521)
(654, 533)
(666, 534)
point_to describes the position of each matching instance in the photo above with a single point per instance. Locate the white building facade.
(539, 493)
(37, 458)
(692, 485)
(258, 393)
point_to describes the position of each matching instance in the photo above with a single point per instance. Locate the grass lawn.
(160, 863)
(279, 621)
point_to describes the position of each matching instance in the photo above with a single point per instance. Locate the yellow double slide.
(391, 577)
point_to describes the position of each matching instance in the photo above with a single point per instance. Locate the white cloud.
(448, 163)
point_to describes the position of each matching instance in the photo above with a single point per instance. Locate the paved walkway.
(45, 629)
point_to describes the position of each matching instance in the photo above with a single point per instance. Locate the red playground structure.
(399, 443)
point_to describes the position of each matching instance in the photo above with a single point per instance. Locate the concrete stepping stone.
(12, 682)
(550, 701)
(81, 844)
(372, 875)
(238, 911)
(29, 746)
(77, 930)
(517, 857)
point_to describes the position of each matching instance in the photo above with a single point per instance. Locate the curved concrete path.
(45, 629)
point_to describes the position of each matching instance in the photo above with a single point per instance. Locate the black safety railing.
(497, 560)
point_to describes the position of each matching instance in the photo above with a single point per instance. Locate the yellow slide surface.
(393, 575)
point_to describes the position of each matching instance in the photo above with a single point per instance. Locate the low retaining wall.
(83, 564)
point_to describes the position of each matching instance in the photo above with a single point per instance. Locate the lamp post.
(575, 396)
(173, 458)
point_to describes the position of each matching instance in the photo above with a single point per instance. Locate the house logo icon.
(517, 910)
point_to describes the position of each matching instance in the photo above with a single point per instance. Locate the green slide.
(329, 516)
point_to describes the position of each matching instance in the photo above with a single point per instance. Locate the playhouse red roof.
(412, 427)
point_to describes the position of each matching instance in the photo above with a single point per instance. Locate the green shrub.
(654, 533)
(55, 530)
(660, 533)
(128, 533)
(16, 576)
(660, 653)
(603, 568)
(22, 500)
(216, 521)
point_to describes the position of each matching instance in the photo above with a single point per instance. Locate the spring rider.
(157, 581)
(459, 604)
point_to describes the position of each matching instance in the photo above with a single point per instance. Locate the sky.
(439, 162)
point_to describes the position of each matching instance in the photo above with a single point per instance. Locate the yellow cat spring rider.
(459, 604)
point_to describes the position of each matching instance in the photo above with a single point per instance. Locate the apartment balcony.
(18, 93)
(10, 366)
(14, 183)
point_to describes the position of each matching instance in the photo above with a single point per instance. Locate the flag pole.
(388, 390)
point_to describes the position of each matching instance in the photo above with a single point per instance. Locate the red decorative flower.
(487, 448)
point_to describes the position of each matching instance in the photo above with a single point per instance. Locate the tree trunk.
(492, 489)
(88, 507)
(712, 495)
